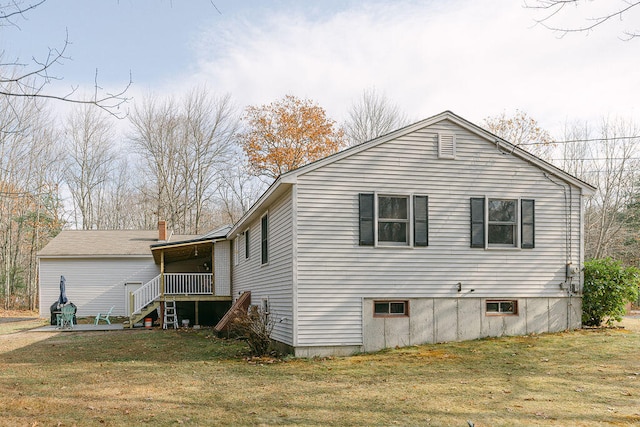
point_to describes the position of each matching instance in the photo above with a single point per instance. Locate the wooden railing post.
(162, 273)
(132, 302)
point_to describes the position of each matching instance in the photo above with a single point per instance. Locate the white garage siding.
(274, 280)
(93, 285)
(334, 274)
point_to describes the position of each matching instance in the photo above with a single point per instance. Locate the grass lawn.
(140, 377)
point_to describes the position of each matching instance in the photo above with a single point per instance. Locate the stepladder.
(170, 315)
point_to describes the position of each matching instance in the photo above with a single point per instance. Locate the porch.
(194, 271)
(179, 287)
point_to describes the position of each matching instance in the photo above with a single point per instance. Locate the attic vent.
(446, 146)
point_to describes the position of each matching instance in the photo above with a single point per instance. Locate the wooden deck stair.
(138, 317)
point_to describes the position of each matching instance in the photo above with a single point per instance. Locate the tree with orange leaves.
(287, 134)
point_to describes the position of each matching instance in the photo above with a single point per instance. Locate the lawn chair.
(65, 318)
(104, 317)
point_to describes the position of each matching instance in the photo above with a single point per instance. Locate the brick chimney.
(162, 230)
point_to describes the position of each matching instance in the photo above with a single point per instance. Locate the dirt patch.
(16, 340)
(16, 319)
(7, 316)
(631, 323)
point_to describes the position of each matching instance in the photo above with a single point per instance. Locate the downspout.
(567, 230)
(294, 265)
(567, 285)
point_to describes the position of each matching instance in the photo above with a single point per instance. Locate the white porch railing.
(145, 294)
(187, 284)
(174, 284)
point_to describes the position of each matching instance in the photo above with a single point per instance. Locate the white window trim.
(410, 220)
(518, 224)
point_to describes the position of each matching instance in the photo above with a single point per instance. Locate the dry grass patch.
(159, 377)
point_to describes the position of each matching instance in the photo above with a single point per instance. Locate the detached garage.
(100, 267)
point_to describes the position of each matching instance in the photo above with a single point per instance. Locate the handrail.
(146, 294)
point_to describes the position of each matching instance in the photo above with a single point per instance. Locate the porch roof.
(198, 247)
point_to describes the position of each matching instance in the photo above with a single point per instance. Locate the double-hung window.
(502, 223)
(393, 220)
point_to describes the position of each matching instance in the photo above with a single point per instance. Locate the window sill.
(501, 314)
(502, 248)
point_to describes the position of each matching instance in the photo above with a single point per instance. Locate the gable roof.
(286, 180)
(103, 243)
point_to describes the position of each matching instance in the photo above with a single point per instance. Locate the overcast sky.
(476, 58)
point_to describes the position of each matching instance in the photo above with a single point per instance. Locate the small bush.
(608, 287)
(255, 327)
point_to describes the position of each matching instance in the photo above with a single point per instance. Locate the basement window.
(502, 307)
(390, 308)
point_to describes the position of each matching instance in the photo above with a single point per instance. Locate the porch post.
(162, 273)
(131, 304)
(213, 270)
(197, 322)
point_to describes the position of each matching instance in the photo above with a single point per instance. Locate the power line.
(570, 141)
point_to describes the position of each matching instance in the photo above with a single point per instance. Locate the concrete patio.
(81, 328)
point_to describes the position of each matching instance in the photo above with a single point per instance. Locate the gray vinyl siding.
(93, 285)
(334, 273)
(273, 280)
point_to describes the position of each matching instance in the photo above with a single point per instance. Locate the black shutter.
(246, 244)
(366, 219)
(477, 222)
(528, 223)
(421, 221)
(264, 237)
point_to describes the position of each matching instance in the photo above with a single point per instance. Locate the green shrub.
(608, 287)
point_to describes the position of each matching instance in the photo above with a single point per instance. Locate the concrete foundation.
(432, 320)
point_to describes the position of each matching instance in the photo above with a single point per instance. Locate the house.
(135, 271)
(439, 231)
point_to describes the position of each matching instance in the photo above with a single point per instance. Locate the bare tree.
(209, 125)
(90, 163)
(237, 191)
(371, 116)
(184, 147)
(156, 138)
(29, 80)
(608, 160)
(597, 13)
(29, 202)
(523, 131)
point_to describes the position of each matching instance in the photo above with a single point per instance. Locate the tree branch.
(556, 6)
(30, 83)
